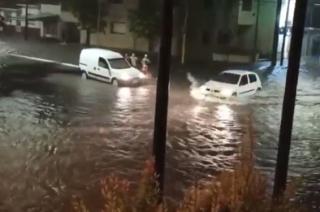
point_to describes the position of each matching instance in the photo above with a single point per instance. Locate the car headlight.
(226, 93)
(125, 77)
(142, 76)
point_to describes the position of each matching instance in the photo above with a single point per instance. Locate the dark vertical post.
(274, 56)
(26, 27)
(161, 112)
(99, 15)
(285, 34)
(184, 32)
(256, 32)
(289, 99)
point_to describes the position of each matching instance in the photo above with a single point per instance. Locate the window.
(246, 5)
(103, 63)
(118, 28)
(228, 78)
(244, 80)
(119, 63)
(252, 78)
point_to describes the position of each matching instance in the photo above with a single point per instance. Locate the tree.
(87, 12)
(145, 21)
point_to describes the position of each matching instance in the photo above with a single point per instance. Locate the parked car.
(108, 66)
(232, 83)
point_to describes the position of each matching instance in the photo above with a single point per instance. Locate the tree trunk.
(88, 37)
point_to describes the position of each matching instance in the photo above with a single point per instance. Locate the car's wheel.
(115, 83)
(84, 75)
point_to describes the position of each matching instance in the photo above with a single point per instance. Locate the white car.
(108, 66)
(232, 83)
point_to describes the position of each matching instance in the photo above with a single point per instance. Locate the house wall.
(53, 28)
(118, 14)
(51, 8)
(229, 30)
(266, 26)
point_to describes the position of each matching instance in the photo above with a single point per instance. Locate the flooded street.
(60, 134)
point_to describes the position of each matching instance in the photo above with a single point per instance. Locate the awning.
(38, 17)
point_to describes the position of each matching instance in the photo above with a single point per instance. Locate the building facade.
(44, 21)
(311, 45)
(230, 31)
(117, 34)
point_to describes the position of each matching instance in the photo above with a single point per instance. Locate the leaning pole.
(289, 99)
(162, 97)
(274, 56)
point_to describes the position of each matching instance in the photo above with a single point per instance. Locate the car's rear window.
(228, 78)
(119, 63)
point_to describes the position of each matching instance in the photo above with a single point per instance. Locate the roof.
(238, 72)
(103, 52)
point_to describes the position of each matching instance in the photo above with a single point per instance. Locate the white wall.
(68, 17)
(50, 8)
(32, 10)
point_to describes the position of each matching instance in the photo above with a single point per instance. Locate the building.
(311, 43)
(230, 31)
(44, 21)
(117, 35)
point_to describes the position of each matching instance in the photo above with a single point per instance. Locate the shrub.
(244, 189)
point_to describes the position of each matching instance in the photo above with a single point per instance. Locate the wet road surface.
(60, 134)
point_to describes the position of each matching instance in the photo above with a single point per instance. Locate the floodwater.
(60, 134)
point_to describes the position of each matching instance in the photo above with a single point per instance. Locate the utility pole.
(256, 32)
(285, 34)
(162, 98)
(289, 100)
(274, 56)
(26, 27)
(184, 32)
(99, 15)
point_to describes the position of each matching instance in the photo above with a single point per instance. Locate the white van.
(108, 66)
(232, 83)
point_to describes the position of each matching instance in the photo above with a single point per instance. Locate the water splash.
(196, 93)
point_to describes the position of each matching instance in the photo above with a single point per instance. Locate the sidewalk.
(69, 53)
(44, 49)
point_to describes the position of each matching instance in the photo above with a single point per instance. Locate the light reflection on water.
(98, 130)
